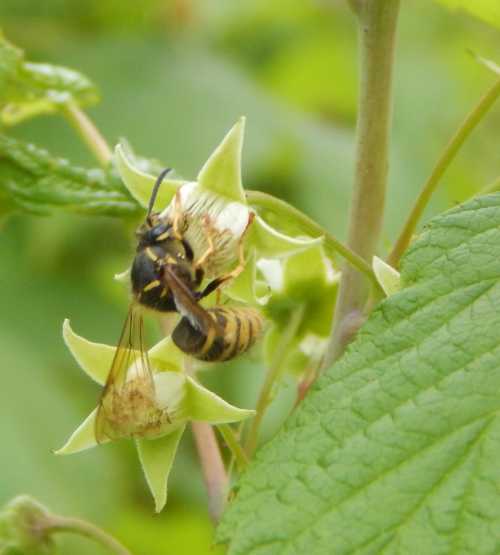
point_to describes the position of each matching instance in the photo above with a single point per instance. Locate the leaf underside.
(397, 448)
(36, 181)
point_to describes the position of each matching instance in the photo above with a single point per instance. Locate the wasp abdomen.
(234, 330)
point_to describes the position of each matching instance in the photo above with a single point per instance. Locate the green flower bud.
(24, 528)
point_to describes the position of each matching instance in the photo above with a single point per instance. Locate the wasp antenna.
(154, 193)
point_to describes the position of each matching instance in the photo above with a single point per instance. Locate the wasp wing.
(186, 302)
(130, 360)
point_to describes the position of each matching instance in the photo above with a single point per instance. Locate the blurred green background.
(174, 76)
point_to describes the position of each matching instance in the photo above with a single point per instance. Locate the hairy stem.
(227, 432)
(449, 153)
(377, 30)
(57, 523)
(309, 227)
(272, 377)
(214, 473)
(89, 133)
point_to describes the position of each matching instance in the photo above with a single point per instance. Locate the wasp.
(166, 277)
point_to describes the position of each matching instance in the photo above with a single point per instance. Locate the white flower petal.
(157, 457)
(387, 276)
(221, 173)
(272, 270)
(94, 358)
(82, 438)
(206, 406)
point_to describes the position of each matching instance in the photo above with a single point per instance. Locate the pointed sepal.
(204, 405)
(221, 173)
(387, 276)
(157, 457)
(140, 184)
(82, 438)
(94, 358)
(271, 243)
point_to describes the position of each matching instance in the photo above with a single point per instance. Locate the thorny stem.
(273, 374)
(214, 473)
(227, 432)
(449, 153)
(377, 29)
(89, 133)
(56, 523)
(309, 227)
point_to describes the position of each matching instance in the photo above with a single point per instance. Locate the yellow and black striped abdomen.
(232, 331)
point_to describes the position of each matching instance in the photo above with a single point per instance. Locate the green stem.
(234, 445)
(492, 187)
(449, 153)
(377, 30)
(77, 526)
(272, 377)
(89, 133)
(308, 226)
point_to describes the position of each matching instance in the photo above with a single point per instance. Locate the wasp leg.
(211, 247)
(217, 282)
(178, 216)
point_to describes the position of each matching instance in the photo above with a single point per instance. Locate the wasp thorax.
(144, 406)
(211, 216)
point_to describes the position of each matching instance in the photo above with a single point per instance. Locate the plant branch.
(310, 227)
(272, 377)
(377, 29)
(449, 153)
(232, 442)
(214, 473)
(56, 523)
(88, 132)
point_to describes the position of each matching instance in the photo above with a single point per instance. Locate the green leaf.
(396, 448)
(28, 89)
(487, 10)
(157, 457)
(36, 181)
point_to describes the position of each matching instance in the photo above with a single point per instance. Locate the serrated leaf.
(396, 448)
(28, 89)
(487, 10)
(36, 181)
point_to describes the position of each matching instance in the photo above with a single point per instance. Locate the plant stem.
(308, 226)
(492, 187)
(214, 473)
(58, 523)
(272, 377)
(88, 132)
(232, 442)
(449, 153)
(377, 29)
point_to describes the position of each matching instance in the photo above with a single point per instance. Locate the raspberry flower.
(152, 409)
(215, 200)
